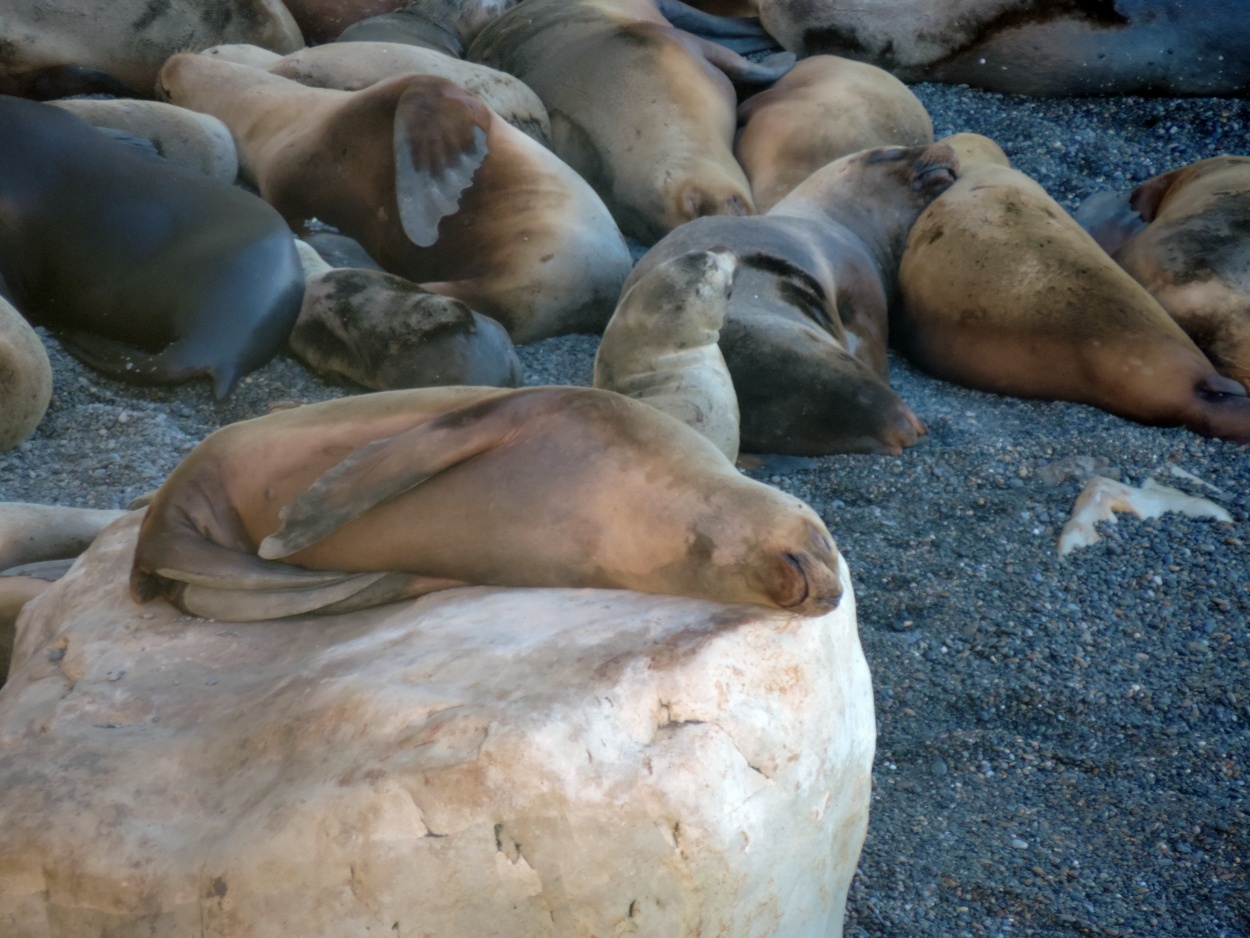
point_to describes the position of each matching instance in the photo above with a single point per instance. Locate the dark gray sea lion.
(150, 274)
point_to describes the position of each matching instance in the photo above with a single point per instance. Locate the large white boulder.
(479, 762)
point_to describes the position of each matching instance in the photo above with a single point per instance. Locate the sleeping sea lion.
(354, 502)
(642, 110)
(1185, 237)
(1004, 292)
(1167, 47)
(431, 182)
(25, 377)
(824, 109)
(805, 331)
(150, 274)
(660, 347)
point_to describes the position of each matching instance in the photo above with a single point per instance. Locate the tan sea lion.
(128, 39)
(660, 347)
(25, 377)
(1004, 292)
(32, 533)
(1198, 47)
(194, 141)
(384, 333)
(805, 331)
(434, 186)
(351, 66)
(1192, 252)
(644, 111)
(368, 499)
(825, 108)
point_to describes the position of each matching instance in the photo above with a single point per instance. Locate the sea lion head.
(797, 563)
(681, 302)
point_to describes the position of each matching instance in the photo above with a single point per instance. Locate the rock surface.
(477, 762)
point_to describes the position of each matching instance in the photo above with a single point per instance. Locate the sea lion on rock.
(805, 331)
(1167, 47)
(384, 333)
(151, 274)
(351, 66)
(642, 110)
(25, 377)
(660, 347)
(431, 182)
(1004, 292)
(128, 40)
(194, 141)
(1185, 236)
(382, 496)
(825, 108)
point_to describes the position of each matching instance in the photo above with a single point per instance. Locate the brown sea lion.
(25, 377)
(805, 332)
(1004, 292)
(1169, 47)
(194, 141)
(128, 40)
(150, 274)
(644, 111)
(660, 347)
(435, 187)
(1185, 237)
(368, 499)
(384, 333)
(824, 109)
(351, 66)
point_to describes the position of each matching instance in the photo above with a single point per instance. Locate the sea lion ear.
(1146, 198)
(439, 142)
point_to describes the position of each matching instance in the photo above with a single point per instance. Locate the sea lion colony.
(801, 216)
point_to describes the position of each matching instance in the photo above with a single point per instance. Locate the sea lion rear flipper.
(744, 35)
(383, 469)
(439, 142)
(743, 71)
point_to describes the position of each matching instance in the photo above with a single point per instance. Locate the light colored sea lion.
(150, 274)
(199, 142)
(825, 108)
(1191, 250)
(130, 39)
(660, 347)
(434, 186)
(25, 377)
(1199, 47)
(368, 499)
(805, 331)
(644, 111)
(384, 333)
(1003, 291)
(32, 533)
(351, 66)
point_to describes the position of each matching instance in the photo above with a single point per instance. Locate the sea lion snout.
(808, 581)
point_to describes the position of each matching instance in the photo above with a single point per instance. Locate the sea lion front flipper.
(128, 363)
(383, 469)
(743, 71)
(439, 142)
(744, 35)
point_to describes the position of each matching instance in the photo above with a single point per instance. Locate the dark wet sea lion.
(1185, 236)
(151, 274)
(805, 333)
(377, 497)
(435, 186)
(1004, 292)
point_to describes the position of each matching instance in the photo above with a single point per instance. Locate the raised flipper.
(383, 469)
(439, 141)
(744, 35)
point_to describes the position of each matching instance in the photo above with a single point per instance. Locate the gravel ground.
(1063, 744)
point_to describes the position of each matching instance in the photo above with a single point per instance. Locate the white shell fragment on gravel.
(1102, 497)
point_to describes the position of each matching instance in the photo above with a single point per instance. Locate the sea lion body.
(152, 274)
(661, 346)
(643, 111)
(557, 487)
(1193, 255)
(1004, 292)
(1167, 47)
(806, 327)
(505, 227)
(825, 108)
(25, 377)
